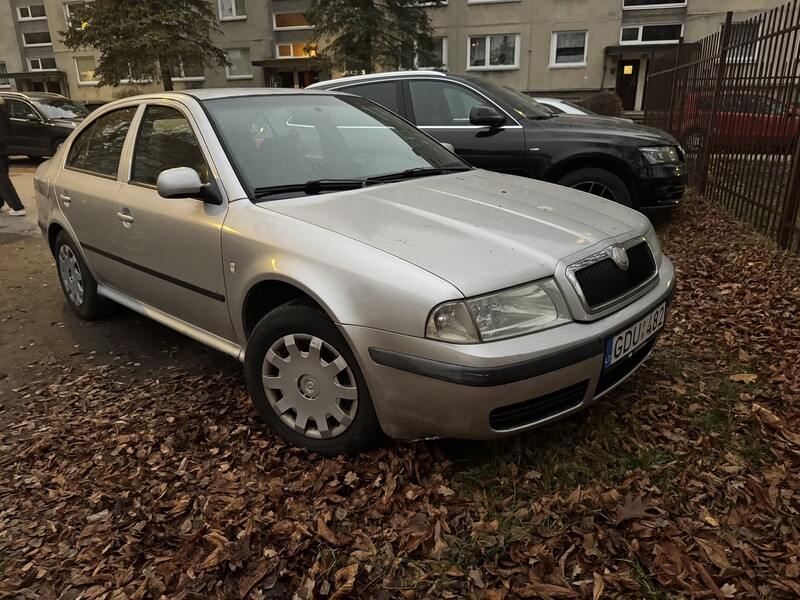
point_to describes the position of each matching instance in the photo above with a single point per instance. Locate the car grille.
(603, 281)
(530, 411)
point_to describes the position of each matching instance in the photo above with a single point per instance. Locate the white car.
(565, 107)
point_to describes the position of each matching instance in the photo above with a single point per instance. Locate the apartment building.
(571, 48)
(267, 42)
(26, 49)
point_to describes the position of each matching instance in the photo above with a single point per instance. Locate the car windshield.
(280, 141)
(517, 101)
(60, 108)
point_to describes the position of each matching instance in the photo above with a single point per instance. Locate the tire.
(298, 397)
(77, 282)
(598, 182)
(694, 140)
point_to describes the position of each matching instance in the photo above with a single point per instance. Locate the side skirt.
(200, 335)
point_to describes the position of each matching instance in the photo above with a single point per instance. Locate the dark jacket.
(5, 130)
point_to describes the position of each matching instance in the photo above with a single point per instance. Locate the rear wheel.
(598, 182)
(305, 383)
(56, 145)
(694, 140)
(77, 283)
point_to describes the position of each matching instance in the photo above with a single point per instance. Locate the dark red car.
(746, 121)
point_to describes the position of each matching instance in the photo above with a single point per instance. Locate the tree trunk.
(166, 77)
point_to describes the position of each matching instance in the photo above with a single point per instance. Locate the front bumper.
(425, 388)
(664, 188)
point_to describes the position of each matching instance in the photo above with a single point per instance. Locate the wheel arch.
(612, 165)
(52, 234)
(268, 294)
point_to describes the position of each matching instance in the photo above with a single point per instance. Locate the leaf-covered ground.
(684, 482)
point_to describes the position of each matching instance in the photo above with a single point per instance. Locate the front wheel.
(305, 383)
(598, 182)
(77, 283)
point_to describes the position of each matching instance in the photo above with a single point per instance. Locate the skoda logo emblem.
(620, 257)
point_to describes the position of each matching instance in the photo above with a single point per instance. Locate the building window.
(440, 54)
(652, 34)
(568, 49)
(240, 66)
(743, 42)
(86, 66)
(75, 11)
(37, 38)
(232, 9)
(493, 52)
(31, 13)
(4, 82)
(639, 4)
(298, 50)
(285, 21)
(186, 69)
(42, 64)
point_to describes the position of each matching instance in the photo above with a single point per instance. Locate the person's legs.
(7, 192)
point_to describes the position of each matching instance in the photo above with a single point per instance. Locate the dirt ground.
(40, 337)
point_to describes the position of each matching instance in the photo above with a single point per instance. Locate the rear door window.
(98, 148)
(384, 93)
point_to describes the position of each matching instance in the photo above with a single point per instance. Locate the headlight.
(510, 313)
(655, 245)
(661, 155)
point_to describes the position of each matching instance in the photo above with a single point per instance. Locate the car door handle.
(125, 216)
(65, 198)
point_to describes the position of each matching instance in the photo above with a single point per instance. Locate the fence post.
(674, 125)
(791, 205)
(705, 156)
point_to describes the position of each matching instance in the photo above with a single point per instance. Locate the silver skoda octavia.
(370, 281)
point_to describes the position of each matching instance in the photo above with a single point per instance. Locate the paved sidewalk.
(21, 225)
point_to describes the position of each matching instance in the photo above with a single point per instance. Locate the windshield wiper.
(417, 172)
(312, 187)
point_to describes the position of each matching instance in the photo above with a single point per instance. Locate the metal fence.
(733, 101)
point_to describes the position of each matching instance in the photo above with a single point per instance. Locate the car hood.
(478, 230)
(619, 128)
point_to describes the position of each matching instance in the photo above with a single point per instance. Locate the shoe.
(17, 213)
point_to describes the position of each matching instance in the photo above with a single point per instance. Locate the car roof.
(215, 93)
(376, 76)
(31, 95)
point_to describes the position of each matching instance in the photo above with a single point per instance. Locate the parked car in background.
(500, 129)
(746, 121)
(92, 105)
(40, 122)
(368, 278)
(565, 107)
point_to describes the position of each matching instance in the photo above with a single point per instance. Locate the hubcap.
(596, 188)
(71, 276)
(310, 386)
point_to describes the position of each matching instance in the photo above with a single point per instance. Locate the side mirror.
(33, 118)
(184, 182)
(449, 146)
(486, 116)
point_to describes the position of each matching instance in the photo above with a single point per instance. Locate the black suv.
(500, 129)
(40, 122)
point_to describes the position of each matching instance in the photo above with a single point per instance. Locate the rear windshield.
(60, 108)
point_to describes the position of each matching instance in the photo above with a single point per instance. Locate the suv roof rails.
(383, 75)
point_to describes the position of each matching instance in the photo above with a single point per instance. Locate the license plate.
(626, 342)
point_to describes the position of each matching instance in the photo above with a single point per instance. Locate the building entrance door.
(627, 81)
